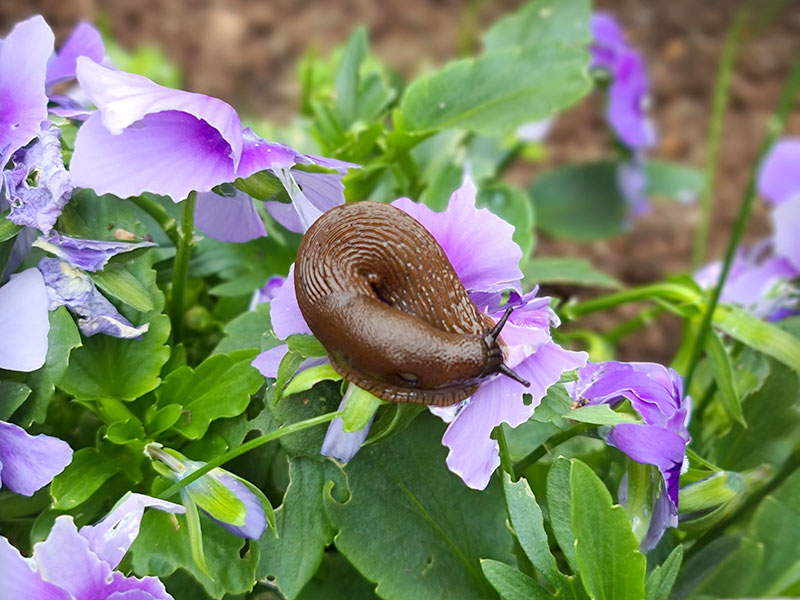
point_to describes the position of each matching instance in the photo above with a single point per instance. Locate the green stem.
(637, 322)
(718, 108)
(668, 290)
(180, 269)
(775, 126)
(161, 216)
(505, 456)
(556, 440)
(246, 447)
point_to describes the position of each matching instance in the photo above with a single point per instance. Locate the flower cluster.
(530, 351)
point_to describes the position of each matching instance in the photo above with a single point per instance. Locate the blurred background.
(247, 51)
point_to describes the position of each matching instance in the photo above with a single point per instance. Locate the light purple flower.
(779, 177)
(146, 137)
(23, 67)
(656, 394)
(84, 40)
(89, 255)
(70, 287)
(28, 463)
(267, 292)
(24, 323)
(79, 565)
(228, 218)
(629, 92)
(479, 245)
(786, 225)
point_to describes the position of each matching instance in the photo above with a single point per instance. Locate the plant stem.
(719, 106)
(505, 456)
(673, 291)
(246, 447)
(637, 322)
(161, 216)
(556, 440)
(180, 269)
(774, 127)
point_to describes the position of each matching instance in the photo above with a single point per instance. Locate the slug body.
(379, 293)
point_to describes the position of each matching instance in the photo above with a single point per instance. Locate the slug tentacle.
(379, 293)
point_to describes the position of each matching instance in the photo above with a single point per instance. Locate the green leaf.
(559, 508)
(115, 368)
(337, 578)
(761, 335)
(306, 345)
(247, 331)
(322, 398)
(12, 395)
(570, 271)
(286, 369)
(497, 91)
(542, 22)
(510, 583)
(609, 562)
(292, 558)
(662, 578)
(359, 410)
(347, 79)
(122, 432)
(117, 281)
(723, 373)
(61, 339)
(580, 202)
(220, 386)
(163, 418)
(528, 523)
(163, 546)
(8, 229)
(307, 379)
(88, 470)
(670, 180)
(412, 526)
(601, 414)
(217, 499)
(511, 205)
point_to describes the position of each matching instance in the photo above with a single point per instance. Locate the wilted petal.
(340, 444)
(255, 520)
(477, 242)
(20, 578)
(24, 322)
(111, 537)
(30, 462)
(85, 40)
(70, 287)
(89, 255)
(786, 222)
(284, 312)
(779, 177)
(23, 102)
(228, 218)
(169, 153)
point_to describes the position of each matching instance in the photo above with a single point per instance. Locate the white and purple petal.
(340, 444)
(89, 255)
(30, 462)
(20, 577)
(24, 322)
(84, 40)
(228, 218)
(255, 519)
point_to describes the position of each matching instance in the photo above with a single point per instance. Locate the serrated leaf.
(609, 562)
(88, 470)
(542, 22)
(662, 578)
(570, 271)
(510, 583)
(429, 541)
(220, 386)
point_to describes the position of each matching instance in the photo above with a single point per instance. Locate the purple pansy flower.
(267, 292)
(28, 463)
(146, 137)
(656, 394)
(463, 230)
(71, 287)
(779, 183)
(24, 323)
(89, 255)
(84, 40)
(74, 564)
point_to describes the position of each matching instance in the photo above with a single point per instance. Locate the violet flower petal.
(285, 214)
(268, 361)
(284, 312)
(266, 292)
(20, 578)
(24, 322)
(307, 213)
(664, 515)
(111, 537)
(786, 224)
(627, 102)
(340, 444)
(23, 65)
(477, 242)
(632, 184)
(779, 177)
(84, 40)
(228, 219)
(89, 255)
(260, 155)
(30, 462)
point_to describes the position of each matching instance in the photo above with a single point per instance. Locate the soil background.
(245, 51)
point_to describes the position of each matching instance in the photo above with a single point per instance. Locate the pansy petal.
(786, 221)
(19, 577)
(23, 102)
(323, 190)
(260, 155)
(284, 312)
(779, 177)
(111, 537)
(85, 40)
(255, 520)
(307, 213)
(170, 153)
(664, 514)
(24, 322)
(461, 229)
(268, 361)
(135, 588)
(228, 218)
(340, 444)
(627, 102)
(30, 462)
(266, 292)
(89, 255)
(125, 98)
(285, 214)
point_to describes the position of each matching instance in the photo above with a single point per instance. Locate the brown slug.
(379, 293)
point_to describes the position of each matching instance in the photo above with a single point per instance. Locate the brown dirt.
(245, 51)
